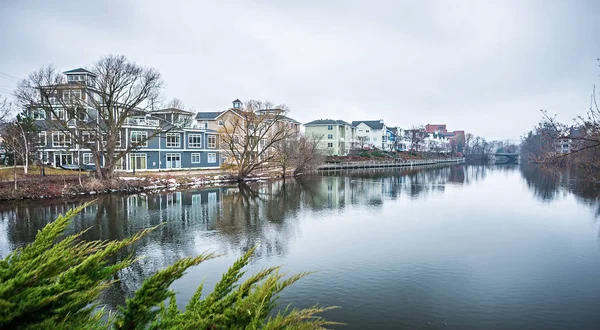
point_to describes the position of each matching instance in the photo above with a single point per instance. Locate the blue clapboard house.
(183, 142)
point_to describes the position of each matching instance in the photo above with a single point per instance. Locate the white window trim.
(194, 145)
(145, 144)
(196, 154)
(211, 158)
(90, 158)
(45, 141)
(118, 144)
(209, 144)
(169, 144)
(138, 155)
(66, 140)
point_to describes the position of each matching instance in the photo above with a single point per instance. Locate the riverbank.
(71, 185)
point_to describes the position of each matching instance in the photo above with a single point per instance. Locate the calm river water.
(461, 247)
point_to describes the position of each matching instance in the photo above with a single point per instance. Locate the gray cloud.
(487, 67)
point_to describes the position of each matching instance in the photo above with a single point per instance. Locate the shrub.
(377, 154)
(365, 154)
(55, 283)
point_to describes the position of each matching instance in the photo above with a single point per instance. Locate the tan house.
(222, 121)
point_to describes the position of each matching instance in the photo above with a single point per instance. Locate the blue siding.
(156, 150)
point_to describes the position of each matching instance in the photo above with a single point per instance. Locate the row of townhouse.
(338, 137)
(164, 139)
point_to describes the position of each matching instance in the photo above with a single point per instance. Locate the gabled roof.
(236, 101)
(374, 124)
(79, 70)
(327, 122)
(208, 115)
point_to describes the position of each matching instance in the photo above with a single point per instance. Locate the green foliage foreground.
(54, 283)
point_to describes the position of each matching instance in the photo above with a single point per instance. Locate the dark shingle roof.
(170, 110)
(374, 124)
(207, 115)
(78, 70)
(290, 119)
(327, 122)
(237, 100)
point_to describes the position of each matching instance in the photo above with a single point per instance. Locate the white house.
(373, 134)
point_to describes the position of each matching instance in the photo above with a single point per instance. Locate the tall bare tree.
(249, 135)
(93, 112)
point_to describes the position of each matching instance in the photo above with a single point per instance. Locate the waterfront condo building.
(164, 139)
(335, 137)
(374, 134)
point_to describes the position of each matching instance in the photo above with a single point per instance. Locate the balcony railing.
(142, 122)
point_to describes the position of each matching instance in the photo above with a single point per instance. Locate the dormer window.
(237, 104)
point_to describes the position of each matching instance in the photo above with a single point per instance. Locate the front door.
(173, 161)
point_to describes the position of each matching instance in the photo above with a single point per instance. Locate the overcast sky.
(486, 67)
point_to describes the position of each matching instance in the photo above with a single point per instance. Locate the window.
(39, 114)
(329, 145)
(139, 137)
(60, 139)
(329, 136)
(330, 127)
(211, 141)
(86, 136)
(172, 140)
(87, 159)
(221, 123)
(42, 139)
(195, 140)
(59, 113)
(195, 158)
(72, 95)
(367, 131)
(138, 161)
(118, 143)
(119, 163)
(212, 158)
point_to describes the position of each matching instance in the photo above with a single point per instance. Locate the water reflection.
(273, 215)
(549, 185)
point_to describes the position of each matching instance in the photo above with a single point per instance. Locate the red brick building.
(435, 128)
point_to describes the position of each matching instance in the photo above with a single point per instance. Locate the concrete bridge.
(506, 158)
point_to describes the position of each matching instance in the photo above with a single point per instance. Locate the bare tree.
(415, 136)
(308, 155)
(361, 142)
(5, 109)
(249, 135)
(93, 112)
(286, 154)
(175, 103)
(20, 141)
(299, 153)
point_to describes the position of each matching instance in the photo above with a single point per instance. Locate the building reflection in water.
(225, 219)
